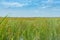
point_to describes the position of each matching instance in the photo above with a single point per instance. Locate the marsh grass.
(30, 28)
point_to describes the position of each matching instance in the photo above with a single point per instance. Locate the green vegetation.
(29, 28)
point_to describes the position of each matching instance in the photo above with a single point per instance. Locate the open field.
(29, 28)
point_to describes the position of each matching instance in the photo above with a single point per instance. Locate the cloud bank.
(13, 4)
(28, 3)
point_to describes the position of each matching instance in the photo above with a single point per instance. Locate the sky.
(30, 8)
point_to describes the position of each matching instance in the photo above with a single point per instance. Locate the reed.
(30, 29)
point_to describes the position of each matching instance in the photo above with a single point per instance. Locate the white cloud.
(13, 4)
(47, 4)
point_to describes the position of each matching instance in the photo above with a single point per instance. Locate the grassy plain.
(29, 28)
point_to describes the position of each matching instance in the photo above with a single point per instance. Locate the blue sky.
(30, 8)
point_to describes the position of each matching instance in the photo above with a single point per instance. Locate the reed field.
(29, 28)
